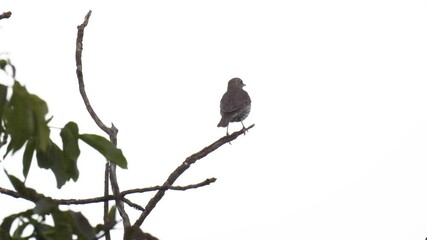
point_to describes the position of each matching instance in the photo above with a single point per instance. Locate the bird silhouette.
(235, 104)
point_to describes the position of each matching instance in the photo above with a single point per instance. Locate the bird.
(235, 104)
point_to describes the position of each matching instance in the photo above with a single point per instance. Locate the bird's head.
(235, 83)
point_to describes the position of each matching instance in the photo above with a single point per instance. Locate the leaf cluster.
(23, 118)
(24, 126)
(31, 224)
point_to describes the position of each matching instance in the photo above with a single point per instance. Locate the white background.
(339, 149)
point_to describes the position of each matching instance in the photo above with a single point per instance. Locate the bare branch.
(116, 191)
(112, 132)
(5, 15)
(10, 193)
(79, 71)
(106, 207)
(162, 187)
(134, 205)
(182, 168)
(112, 197)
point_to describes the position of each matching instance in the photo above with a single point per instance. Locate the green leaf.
(112, 216)
(63, 226)
(3, 64)
(46, 159)
(18, 117)
(43, 231)
(25, 118)
(70, 137)
(3, 100)
(54, 160)
(24, 219)
(27, 193)
(6, 225)
(41, 131)
(18, 233)
(45, 206)
(106, 148)
(111, 221)
(28, 157)
(83, 226)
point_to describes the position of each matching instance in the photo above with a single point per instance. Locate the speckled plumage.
(235, 103)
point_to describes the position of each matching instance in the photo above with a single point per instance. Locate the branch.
(133, 191)
(162, 187)
(79, 71)
(106, 207)
(112, 132)
(10, 193)
(112, 197)
(5, 15)
(182, 168)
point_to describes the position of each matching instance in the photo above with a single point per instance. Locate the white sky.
(339, 150)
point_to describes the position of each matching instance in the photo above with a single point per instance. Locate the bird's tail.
(223, 122)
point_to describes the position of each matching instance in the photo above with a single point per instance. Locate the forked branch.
(110, 172)
(107, 197)
(132, 231)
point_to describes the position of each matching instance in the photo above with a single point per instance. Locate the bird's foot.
(227, 134)
(244, 130)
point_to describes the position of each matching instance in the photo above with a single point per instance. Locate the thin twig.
(10, 192)
(106, 207)
(181, 169)
(176, 188)
(5, 15)
(112, 197)
(134, 205)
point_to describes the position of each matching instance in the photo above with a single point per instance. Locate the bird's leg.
(243, 127)
(228, 134)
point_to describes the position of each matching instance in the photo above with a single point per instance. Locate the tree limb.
(181, 169)
(5, 15)
(106, 207)
(79, 71)
(112, 197)
(162, 187)
(10, 192)
(112, 132)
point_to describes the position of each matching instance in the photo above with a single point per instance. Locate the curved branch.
(79, 71)
(112, 132)
(182, 168)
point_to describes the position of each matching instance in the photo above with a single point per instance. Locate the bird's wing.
(232, 101)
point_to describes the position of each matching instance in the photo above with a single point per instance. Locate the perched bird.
(235, 103)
